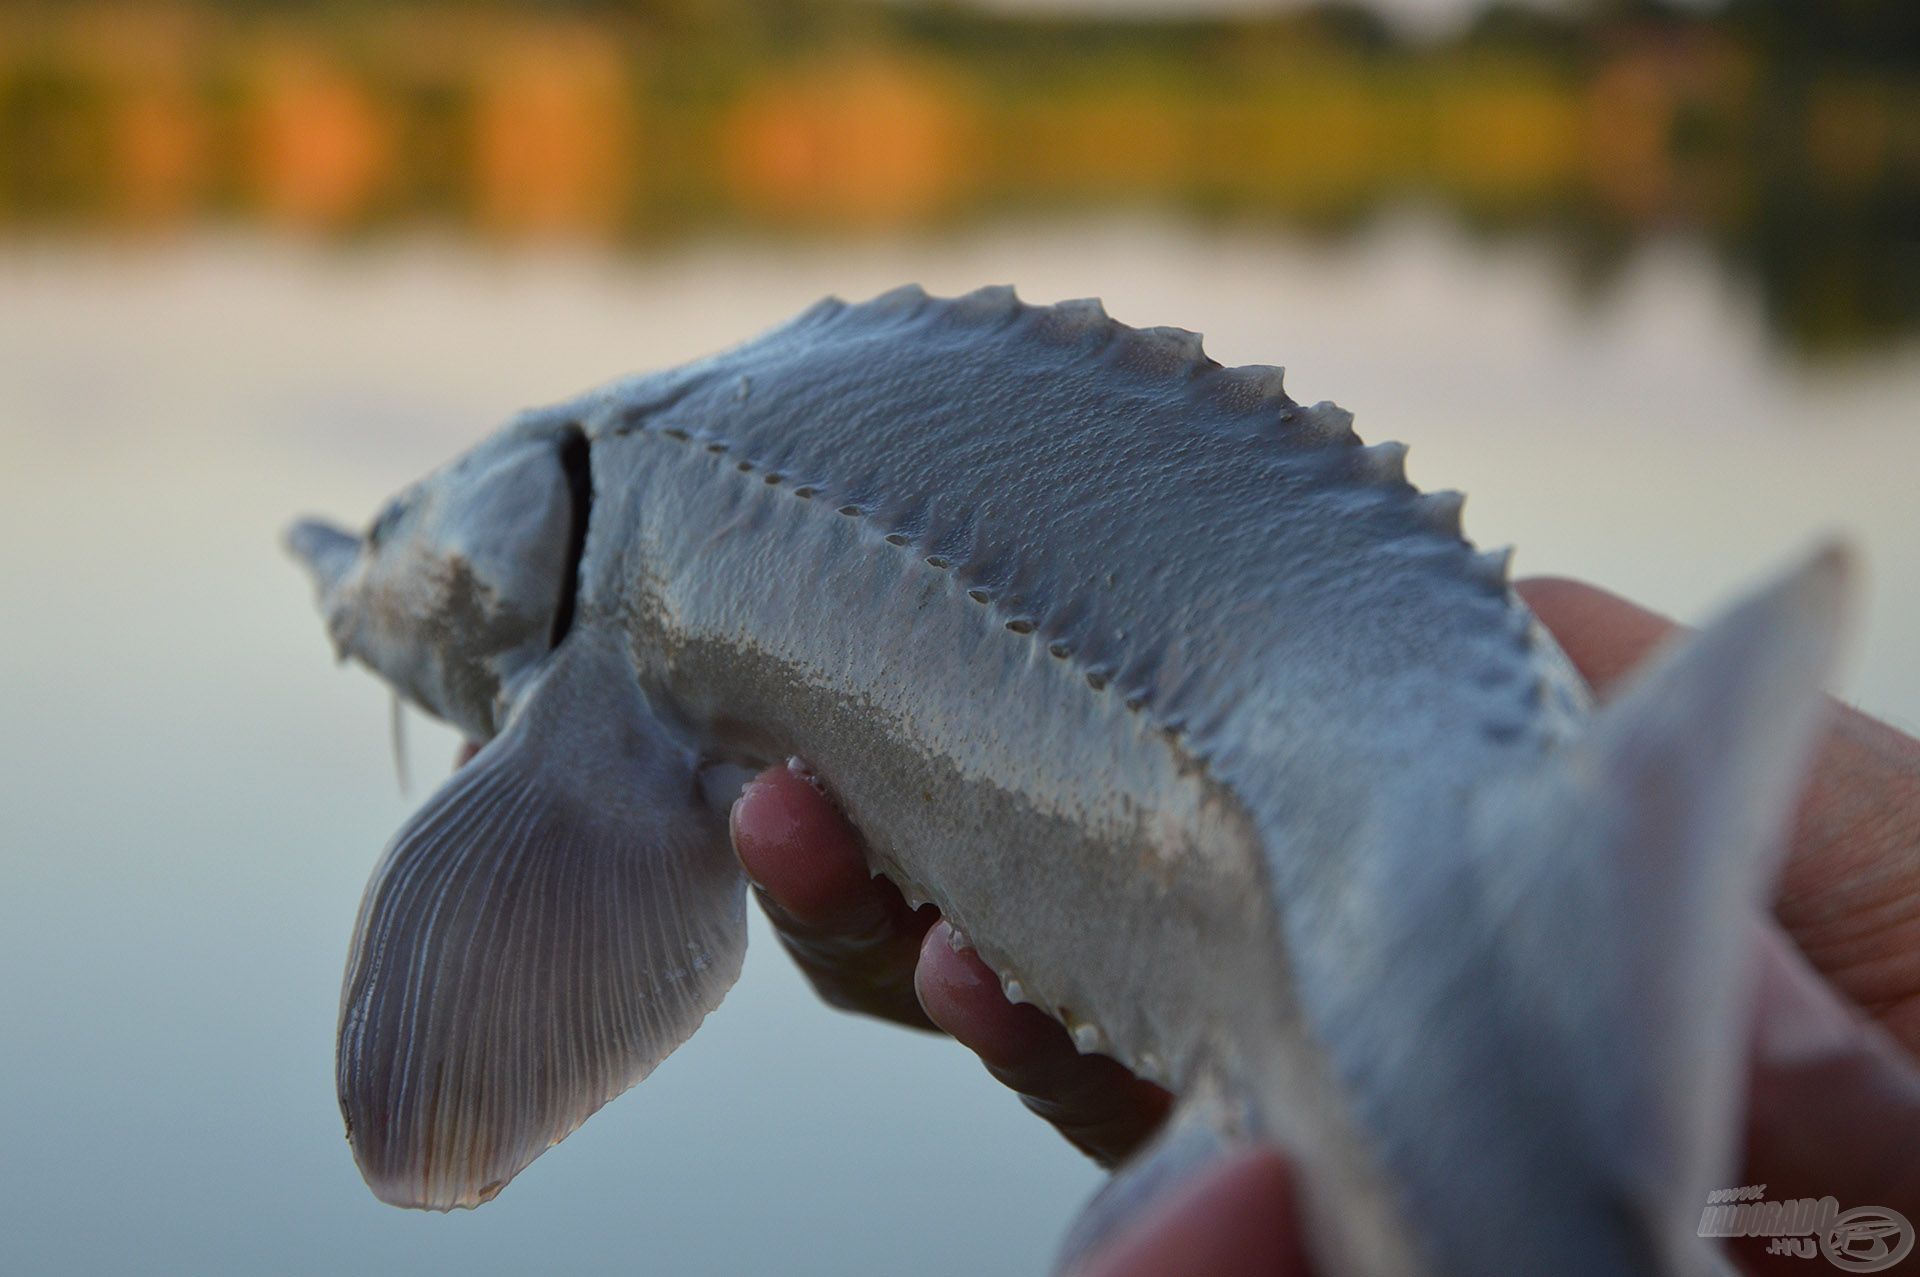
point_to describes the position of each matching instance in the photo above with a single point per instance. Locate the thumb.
(1235, 1218)
(1834, 1103)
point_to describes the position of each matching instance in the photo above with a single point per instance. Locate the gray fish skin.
(1198, 720)
(1122, 852)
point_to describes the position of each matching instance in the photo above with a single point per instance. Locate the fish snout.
(327, 552)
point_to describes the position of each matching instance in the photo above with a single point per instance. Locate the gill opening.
(576, 461)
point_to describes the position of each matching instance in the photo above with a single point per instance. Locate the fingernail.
(733, 831)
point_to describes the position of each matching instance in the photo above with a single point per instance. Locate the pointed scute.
(1326, 421)
(1492, 567)
(1440, 510)
(552, 923)
(821, 311)
(1269, 379)
(907, 298)
(1252, 387)
(1086, 311)
(1180, 343)
(1169, 352)
(1384, 462)
(1082, 322)
(1177, 354)
(995, 301)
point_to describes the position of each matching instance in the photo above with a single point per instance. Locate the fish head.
(464, 581)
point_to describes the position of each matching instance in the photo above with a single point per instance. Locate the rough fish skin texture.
(1218, 741)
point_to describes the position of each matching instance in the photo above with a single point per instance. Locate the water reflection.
(1791, 152)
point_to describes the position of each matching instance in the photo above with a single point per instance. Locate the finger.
(1834, 1104)
(1101, 1107)
(1850, 890)
(1234, 1219)
(1850, 894)
(1603, 634)
(852, 934)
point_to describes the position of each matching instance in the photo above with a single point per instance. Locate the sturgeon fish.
(1213, 735)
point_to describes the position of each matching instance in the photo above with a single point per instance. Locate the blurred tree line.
(1786, 133)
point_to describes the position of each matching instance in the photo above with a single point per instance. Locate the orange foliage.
(1116, 143)
(553, 132)
(1512, 141)
(1315, 145)
(1630, 113)
(155, 126)
(320, 146)
(864, 142)
(160, 154)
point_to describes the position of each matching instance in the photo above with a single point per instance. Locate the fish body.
(1212, 734)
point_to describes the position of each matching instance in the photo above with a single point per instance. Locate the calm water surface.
(193, 795)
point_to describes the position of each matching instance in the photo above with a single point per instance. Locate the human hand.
(863, 949)
(1836, 1115)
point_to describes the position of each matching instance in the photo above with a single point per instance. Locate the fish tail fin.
(1663, 832)
(1542, 1034)
(1623, 887)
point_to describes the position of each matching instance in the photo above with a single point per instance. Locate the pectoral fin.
(553, 922)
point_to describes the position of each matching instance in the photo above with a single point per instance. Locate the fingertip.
(798, 849)
(1833, 1102)
(1093, 1100)
(1236, 1218)
(963, 996)
(1604, 635)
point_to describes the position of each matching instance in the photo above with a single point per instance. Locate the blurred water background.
(1643, 281)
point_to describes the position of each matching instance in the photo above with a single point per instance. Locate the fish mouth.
(327, 552)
